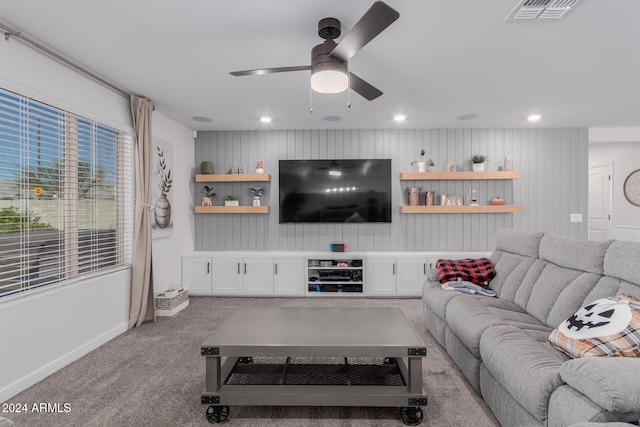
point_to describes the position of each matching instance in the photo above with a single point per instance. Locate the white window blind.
(66, 206)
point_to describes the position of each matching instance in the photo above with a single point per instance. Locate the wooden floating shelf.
(232, 209)
(234, 177)
(424, 176)
(460, 209)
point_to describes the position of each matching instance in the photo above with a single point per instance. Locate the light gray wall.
(554, 165)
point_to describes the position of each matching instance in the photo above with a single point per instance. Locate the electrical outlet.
(575, 217)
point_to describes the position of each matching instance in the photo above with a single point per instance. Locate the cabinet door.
(258, 276)
(196, 275)
(412, 273)
(381, 276)
(227, 276)
(289, 277)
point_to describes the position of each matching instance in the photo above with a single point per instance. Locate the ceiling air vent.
(540, 9)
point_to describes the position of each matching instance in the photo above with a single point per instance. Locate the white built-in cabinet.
(396, 276)
(383, 274)
(289, 276)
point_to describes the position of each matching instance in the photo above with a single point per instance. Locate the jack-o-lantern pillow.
(606, 327)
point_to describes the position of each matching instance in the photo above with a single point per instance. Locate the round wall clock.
(632, 188)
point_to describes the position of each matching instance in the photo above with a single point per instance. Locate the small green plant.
(230, 197)
(12, 219)
(429, 162)
(208, 191)
(478, 158)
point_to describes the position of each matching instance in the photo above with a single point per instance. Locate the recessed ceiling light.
(399, 118)
(201, 119)
(469, 116)
(265, 119)
(534, 117)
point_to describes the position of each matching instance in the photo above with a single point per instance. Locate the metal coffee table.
(314, 357)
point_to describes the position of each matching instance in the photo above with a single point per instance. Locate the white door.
(412, 273)
(600, 202)
(289, 276)
(196, 275)
(227, 276)
(381, 276)
(258, 276)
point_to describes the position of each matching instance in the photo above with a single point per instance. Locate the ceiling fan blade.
(373, 22)
(363, 88)
(260, 71)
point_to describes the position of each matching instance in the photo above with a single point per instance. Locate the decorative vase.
(206, 201)
(256, 201)
(507, 164)
(478, 167)
(232, 203)
(414, 196)
(206, 167)
(422, 166)
(162, 211)
(259, 168)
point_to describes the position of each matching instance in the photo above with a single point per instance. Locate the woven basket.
(165, 303)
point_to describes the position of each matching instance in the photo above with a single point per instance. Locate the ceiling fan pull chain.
(310, 99)
(349, 91)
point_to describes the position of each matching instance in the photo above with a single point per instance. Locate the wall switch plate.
(575, 217)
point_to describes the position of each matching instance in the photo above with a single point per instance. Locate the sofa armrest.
(611, 382)
(432, 275)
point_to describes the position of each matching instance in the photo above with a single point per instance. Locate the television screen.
(341, 191)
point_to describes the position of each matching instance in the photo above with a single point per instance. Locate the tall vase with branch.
(162, 209)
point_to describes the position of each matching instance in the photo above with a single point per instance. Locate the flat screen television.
(335, 191)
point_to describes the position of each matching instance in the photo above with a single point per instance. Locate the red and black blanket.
(479, 271)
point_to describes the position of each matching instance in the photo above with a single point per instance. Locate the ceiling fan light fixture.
(329, 81)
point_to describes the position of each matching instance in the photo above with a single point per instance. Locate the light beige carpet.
(153, 376)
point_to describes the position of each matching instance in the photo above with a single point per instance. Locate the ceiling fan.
(329, 60)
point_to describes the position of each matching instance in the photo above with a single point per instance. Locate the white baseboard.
(43, 372)
(169, 313)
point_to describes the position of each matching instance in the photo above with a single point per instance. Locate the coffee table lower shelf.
(313, 381)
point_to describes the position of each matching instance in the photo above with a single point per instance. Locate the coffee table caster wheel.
(217, 414)
(411, 416)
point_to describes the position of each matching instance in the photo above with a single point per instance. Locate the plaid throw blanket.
(479, 271)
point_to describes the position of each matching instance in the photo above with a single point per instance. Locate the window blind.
(66, 196)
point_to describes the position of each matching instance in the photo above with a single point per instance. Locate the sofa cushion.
(520, 242)
(611, 382)
(573, 253)
(524, 365)
(621, 261)
(605, 327)
(470, 315)
(510, 271)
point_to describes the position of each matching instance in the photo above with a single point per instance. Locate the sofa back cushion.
(623, 262)
(573, 269)
(519, 242)
(574, 254)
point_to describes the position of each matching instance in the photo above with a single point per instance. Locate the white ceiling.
(440, 60)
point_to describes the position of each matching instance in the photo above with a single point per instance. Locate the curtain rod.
(9, 32)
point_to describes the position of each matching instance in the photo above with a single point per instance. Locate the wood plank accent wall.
(553, 162)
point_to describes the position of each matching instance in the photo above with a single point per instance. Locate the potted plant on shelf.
(423, 165)
(256, 192)
(477, 162)
(230, 200)
(208, 194)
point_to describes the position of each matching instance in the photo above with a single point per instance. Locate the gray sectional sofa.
(500, 344)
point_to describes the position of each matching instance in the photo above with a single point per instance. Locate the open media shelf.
(342, 276)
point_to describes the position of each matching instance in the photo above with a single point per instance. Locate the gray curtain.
(142, 303)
